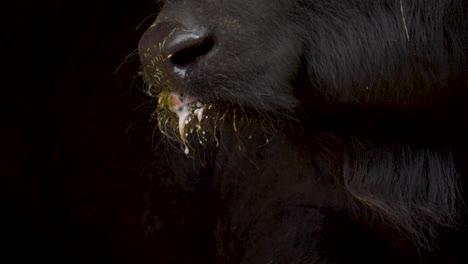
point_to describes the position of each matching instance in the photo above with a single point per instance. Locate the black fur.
(336, 132)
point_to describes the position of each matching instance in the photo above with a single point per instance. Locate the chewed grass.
(201, 126)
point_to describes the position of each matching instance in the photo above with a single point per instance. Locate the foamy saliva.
(186, 108)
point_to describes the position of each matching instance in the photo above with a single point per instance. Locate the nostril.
(185, 47)
(192, 53)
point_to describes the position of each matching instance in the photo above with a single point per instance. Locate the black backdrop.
(72, 134)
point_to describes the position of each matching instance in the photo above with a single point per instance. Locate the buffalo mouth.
(187, 108)
(199, 126)
(184, 118)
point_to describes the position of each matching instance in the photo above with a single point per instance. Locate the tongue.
(178, 101)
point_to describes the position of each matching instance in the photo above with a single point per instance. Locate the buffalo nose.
(168, 50)
(184, 47)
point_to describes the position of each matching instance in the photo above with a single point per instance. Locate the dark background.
(75, 141)
(74, 136)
